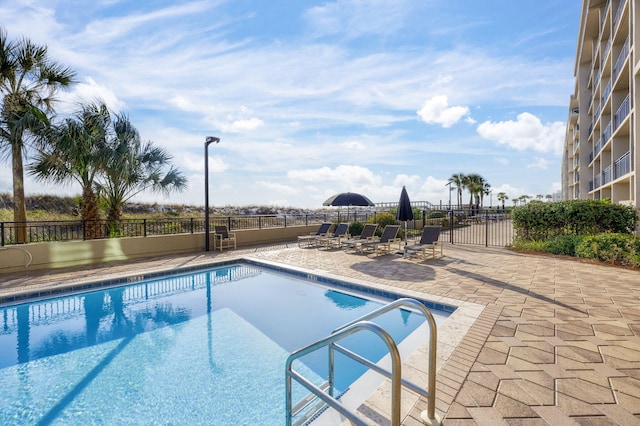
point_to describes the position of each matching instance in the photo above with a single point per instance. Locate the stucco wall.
(78, 253)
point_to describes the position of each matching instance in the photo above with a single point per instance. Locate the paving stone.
(512, 408)
(558, 341)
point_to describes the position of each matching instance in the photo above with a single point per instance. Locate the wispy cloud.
(338, 99)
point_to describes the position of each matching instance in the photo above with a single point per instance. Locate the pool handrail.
(329, 399)
(429, 416)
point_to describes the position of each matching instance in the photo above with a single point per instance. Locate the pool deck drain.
(558, 341)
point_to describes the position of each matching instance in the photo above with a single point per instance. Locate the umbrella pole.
(404, 250)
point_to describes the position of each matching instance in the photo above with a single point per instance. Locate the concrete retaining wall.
(79, 253)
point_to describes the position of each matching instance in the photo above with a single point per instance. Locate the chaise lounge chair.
(388, 237)
(224, 238)
(367, 235)
(340, 234)
(310, 240)
(426, 247)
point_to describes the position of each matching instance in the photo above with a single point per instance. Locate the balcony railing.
(622, 112)
(606, 175)
(616, 19)
(606, 135)
(622, 57)
(622, 166)
(605, 51)
(606, 92)
(597, 148)
(596, 181)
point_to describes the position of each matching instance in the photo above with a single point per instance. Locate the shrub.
(530, 245)
(355, 228)
(614, 248)
(383, 219)
(540, 221)
(563, 244)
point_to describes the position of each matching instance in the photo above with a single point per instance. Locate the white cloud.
(526, 133)
(90, 91)
(437, 111)
(277, 187)
(217, 165)
(347, 175)
(244, 125)
(539, 163)
(405, 180)
(353, 146)
(355, 18)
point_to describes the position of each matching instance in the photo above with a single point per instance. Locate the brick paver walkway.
(558, 342)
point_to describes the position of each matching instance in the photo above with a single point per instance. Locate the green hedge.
(619, 249)
(538, 221)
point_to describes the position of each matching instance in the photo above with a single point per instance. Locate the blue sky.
(315, 98)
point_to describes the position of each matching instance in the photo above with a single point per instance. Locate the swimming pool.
(204, 347)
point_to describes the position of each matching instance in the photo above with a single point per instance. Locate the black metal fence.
(460, 226)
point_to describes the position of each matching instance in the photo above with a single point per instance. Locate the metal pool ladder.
(326, 392)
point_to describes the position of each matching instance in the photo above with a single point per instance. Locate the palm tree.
(539, 197)
(132, 167)
(474, 184)
(549, 197)
(502, 197)
(74, 152)
(486, 190)
(457, 179)
(29, 80)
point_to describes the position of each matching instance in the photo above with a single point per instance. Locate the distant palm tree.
(458, 179)
(502, 196)
(29, 80)
(132, 167)
(539, 197)
(486, 190)
(74, 152)
(549, 197)
(475, 185)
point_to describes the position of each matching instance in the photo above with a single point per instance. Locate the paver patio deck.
(558, 341)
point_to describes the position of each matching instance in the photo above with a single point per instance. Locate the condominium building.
(601, 152)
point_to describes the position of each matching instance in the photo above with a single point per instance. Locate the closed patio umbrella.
(405, 212)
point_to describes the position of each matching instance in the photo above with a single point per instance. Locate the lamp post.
(208, 141)
(450, 189)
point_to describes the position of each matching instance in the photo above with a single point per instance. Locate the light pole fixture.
(208, 141)
(450, 189)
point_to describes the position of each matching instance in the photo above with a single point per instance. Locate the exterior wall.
(600, 156)
(79, 253)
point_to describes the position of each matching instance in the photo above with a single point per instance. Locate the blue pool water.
(207, 347)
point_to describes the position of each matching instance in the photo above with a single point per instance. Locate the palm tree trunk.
(19, 205)
(91, 214)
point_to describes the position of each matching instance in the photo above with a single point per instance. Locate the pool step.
(311, 405)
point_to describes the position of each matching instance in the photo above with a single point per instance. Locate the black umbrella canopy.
(348, 199)
(405, 212)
